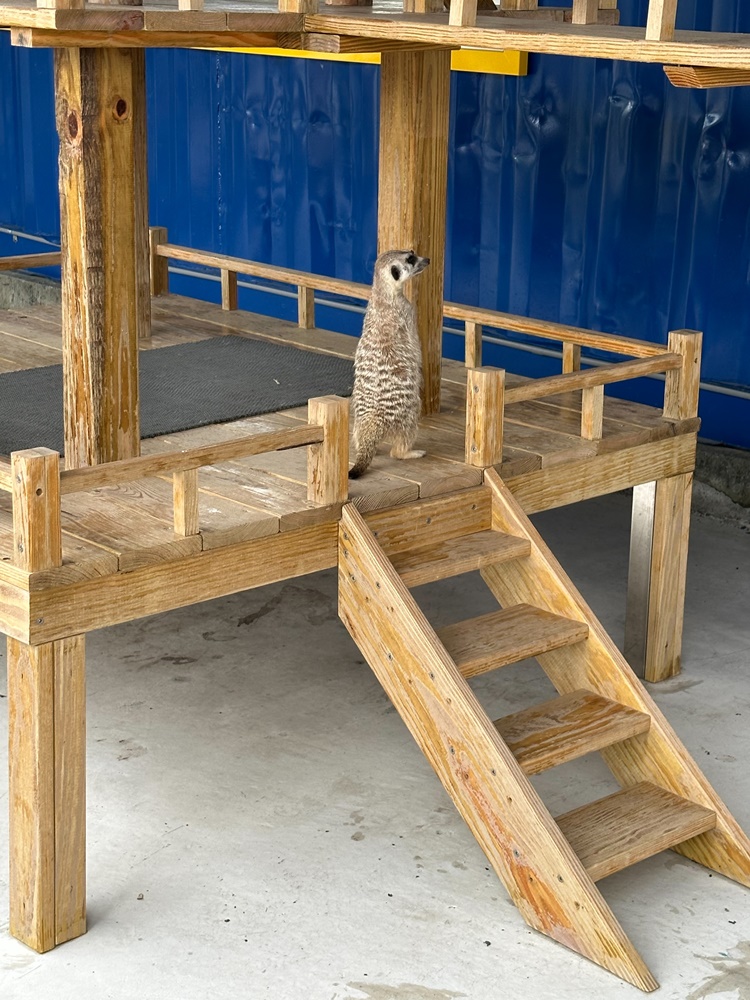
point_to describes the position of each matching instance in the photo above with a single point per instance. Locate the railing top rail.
(271, 272)
(604, 375)
(554, 331)
(30, 260)
(112, 473)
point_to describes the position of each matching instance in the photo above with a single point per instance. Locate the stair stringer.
(597, 665)
(545, 879)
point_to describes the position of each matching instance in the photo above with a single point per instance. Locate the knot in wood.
(121, 109)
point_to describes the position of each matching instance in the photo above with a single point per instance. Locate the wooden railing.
(487, 395)
(29, 260)
(37, 483)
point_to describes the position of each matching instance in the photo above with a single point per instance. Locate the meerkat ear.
(396, 272)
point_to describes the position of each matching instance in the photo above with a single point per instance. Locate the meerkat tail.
(367, 433)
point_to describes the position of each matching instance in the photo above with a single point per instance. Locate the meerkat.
(388, 364)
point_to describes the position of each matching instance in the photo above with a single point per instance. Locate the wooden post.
(592, 412)
(306, 307)
(473, 345)
(46, 746)
(485, 390)
(159, 268)
(228, 289)
(571, 358)
(141, 246)
(659, 538)
(661, 20)
(421, 6)
(185, 502)
(414, 105)
(328, 462)
(463, 13)
(98, 97)
(585, 11)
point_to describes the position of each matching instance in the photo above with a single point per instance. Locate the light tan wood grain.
(592, 413)
(185, 499)
(524, 845)
(29, 260)
(457, 555)
(508, 636)
(228, 289)
(565, 728)
(87, 605)
(485, 409)
(585, 11)
(629, 826)
(661, 20)
(37, 541)
(328, 462)
(431, 522)
(414, 126)
(95, 94)
(701, 77)
(159, 266)
(597, 665)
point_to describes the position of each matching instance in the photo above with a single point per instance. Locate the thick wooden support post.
(524, 845)
(306, 307)
(228, 289)
(485, 391)
(98, 97)
(328, 462)
(660, 532)
(414, 105)
(46, 723)
(661, 20)
(592, 412)
(159, 266)
(585, 11)
(473, 345)
(185, 502)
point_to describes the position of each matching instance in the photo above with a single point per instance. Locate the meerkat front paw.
(407, 454)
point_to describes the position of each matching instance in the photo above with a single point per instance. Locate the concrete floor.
(261, 824)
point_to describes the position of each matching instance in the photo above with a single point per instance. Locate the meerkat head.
(395, 267)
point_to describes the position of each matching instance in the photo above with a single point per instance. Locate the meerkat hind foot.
(407, 454)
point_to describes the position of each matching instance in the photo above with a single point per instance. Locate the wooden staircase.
(549, 865)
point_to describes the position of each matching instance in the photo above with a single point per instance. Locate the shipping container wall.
(590, 192)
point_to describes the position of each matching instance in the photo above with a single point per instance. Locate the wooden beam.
(97, 99)
(414, 108)
(32, 38)
(228, 290)
(159, 265)
(702, 77)
(47, 723)
(29, 260)
(661, 20)
(585, 11)
(141, 246)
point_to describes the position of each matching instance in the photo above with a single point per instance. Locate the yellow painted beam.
(505, 63)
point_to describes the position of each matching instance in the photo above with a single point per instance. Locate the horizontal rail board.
(553, 331)
(285, 275)
(29, 260)
(554, 384)
(95, 476)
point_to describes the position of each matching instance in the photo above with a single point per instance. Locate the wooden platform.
(302, 24)
(124, 532)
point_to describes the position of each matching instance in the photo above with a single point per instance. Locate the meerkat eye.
(396, 272)
(411, 260)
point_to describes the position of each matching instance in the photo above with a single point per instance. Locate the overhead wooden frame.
(705, 77)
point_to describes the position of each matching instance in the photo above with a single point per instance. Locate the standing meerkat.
(388, 364)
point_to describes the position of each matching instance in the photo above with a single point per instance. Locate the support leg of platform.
(99, 103)
(47, 791)
(656, 584)
(414, 110)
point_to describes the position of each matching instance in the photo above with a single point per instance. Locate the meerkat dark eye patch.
(411, 260)
(396, 272)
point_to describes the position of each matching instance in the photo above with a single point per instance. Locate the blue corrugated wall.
(591, 192)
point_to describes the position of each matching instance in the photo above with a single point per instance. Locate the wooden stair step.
(568, 727)
(508, 636)
(631, 825)
(458, 555)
